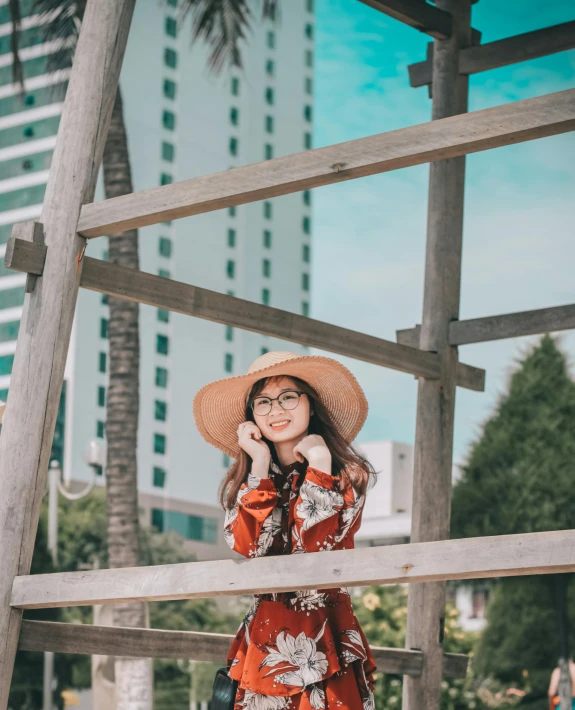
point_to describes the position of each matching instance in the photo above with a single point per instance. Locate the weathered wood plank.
(503, 52)
(198, 646)
(416, 13)
(446, 138)
(22, 251)
(472, 558)
(409, 336)
(27, 431)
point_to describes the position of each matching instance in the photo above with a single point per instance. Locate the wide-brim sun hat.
(220, 406)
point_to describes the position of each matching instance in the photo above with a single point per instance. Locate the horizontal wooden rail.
(196, 645)
(509, 325)
(436, 140)
(418, 14)
(472, 558)
(501, 53)
(119, 281)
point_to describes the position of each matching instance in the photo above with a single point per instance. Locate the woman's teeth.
(279, 425)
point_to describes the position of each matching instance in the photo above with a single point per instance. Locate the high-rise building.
(182, 122)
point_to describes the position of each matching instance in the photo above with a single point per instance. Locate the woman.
(296, 486)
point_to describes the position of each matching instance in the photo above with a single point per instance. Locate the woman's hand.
(314, 449)
(250, 440)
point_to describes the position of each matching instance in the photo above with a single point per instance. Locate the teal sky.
(369, 234)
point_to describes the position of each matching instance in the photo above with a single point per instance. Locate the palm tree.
(223, 24)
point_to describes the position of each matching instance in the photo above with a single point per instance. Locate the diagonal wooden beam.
(160, 292)
(471, 558)
(501, 53)
(199, 646)
(418, 14)
(436, 140)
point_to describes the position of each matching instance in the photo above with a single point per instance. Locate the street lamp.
(95, 457)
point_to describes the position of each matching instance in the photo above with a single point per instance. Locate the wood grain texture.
(27, 431)
(416, 13)
(156, 643)
(503, 52)
(447, 138)
(472, 558)
(23, 248)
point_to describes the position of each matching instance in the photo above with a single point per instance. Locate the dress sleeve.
(250, 525)
(324, 517)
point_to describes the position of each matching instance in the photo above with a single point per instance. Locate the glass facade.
(190, 527)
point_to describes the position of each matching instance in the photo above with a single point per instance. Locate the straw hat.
(219, 407)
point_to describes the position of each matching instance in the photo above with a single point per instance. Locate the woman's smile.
(280, 424)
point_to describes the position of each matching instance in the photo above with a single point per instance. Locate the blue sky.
(369, 234)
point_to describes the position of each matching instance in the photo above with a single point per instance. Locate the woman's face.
(282, 425)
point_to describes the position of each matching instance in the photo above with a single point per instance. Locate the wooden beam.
(447, 138)
(121, 282)
(471, 558)
(503, 52)
(509, 325)
(416, 13)
(38, 371)
(156, 643)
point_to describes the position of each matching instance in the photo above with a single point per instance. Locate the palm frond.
(14, 10)
(63, 19)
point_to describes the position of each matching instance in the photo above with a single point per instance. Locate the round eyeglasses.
(287, 400)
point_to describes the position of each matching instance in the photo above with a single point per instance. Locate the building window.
(234, 146)
(160, 410)
(232, 211)
(306, 196)
(229, 362)
(269, 124)
(271, 40)
(268, 151)
(101, 396)
(159, 444)
(171, 27)
(231, 237)
(29, 132)
(165, 247)
(269, 94)
(168, 151)
(105, 299)
(165, 179)
(169, 120)
(158, 477)
(163, 316)
(264, 351)
(309, 5)
(306, 225)
(307, 141)
(305, 309)
(169, 89)
(267, 239)
(305, 282)
(226, 461)
(102, 357)
(268, 210)
(235, 86)
(231, 268)
(267, 268)
(307, 112)
(229, 333)
(158, 519)
(308, 85)
(161, 377)
(266, 296)
(229, 292)
(100, 429)
(170, 58)
(308, 58)
(173, 3)
(234, 116)
(270, 67)
(162, 344)
(103, 328)
(309, 30)
(164, 273)
(30, 100)
(305, 254)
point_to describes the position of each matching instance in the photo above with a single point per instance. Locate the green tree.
(519, 478)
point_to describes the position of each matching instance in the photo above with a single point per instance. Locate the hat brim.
(219, 407)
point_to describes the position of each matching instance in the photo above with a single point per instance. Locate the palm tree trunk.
(133, 676)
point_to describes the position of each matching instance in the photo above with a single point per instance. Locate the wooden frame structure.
(51, 251)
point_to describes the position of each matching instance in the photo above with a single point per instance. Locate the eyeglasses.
(287, 400)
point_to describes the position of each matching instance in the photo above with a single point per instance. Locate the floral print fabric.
(301, 650)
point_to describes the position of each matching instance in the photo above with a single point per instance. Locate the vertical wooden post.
(436, 398)
(36, 381)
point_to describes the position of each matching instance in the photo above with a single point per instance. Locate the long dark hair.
(347, 462)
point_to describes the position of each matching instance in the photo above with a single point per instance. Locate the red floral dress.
(298, 650)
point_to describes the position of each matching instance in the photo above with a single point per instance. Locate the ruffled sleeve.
(324, 517)
(250, 525)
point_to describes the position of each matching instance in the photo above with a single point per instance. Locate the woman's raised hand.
(250, 440)
(314, 449)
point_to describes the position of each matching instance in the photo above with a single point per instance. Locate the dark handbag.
(224, 693)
